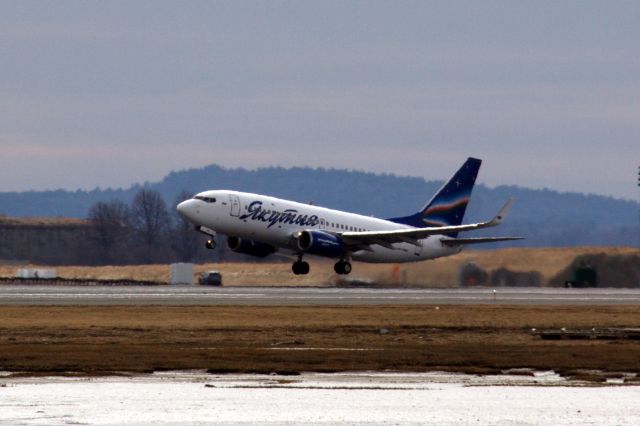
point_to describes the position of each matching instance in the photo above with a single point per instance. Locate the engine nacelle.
(250, 247)
(320, 243)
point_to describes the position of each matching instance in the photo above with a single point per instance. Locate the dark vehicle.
(210, 278)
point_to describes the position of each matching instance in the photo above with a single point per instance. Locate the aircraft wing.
(464, 241)
(412, 235)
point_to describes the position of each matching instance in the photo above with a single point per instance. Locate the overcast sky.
(112, 93)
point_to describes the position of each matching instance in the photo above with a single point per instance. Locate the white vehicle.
(260, 225)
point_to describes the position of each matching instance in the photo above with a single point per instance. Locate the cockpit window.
(205, 199)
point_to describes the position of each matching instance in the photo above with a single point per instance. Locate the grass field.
(480, 339)
(441, 272)
(107, 340)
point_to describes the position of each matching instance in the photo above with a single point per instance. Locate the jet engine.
(250, 247)
(320, 243)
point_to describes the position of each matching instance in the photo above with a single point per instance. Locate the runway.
(288, 296)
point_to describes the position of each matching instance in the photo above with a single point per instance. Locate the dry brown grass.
(260, 339)
(441, 272)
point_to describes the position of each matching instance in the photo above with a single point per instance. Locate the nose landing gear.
(211, 242)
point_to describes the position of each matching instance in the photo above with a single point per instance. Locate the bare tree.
(151, 222)
(184, 238)
(110, 229)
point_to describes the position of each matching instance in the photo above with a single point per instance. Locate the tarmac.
(288, 296)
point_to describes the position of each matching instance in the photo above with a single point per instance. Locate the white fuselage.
(276, 221)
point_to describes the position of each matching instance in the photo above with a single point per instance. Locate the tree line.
(147, 231)
(545, 217)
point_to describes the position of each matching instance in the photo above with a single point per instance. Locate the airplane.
(259, 225)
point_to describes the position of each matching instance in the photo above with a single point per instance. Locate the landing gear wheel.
(210, 244)
(300, 268)
(342, 268)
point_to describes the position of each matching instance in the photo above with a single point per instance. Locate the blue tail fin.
(448, 206)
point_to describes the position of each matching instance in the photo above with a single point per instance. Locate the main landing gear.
(300, 267)
(342, 267)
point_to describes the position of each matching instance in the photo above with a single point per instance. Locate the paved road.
(185, 296)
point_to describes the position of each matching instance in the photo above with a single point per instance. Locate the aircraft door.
(235, 205)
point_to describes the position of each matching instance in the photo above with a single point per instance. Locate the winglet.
(502, 214)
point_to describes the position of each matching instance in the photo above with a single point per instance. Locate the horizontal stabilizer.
(464, 241)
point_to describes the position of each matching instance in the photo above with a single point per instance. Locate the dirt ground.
(477, 339)
(441, 272)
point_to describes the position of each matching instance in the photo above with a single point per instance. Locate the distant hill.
(545, 217)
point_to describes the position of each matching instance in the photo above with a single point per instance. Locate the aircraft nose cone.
(187, 209)
(182, 207)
